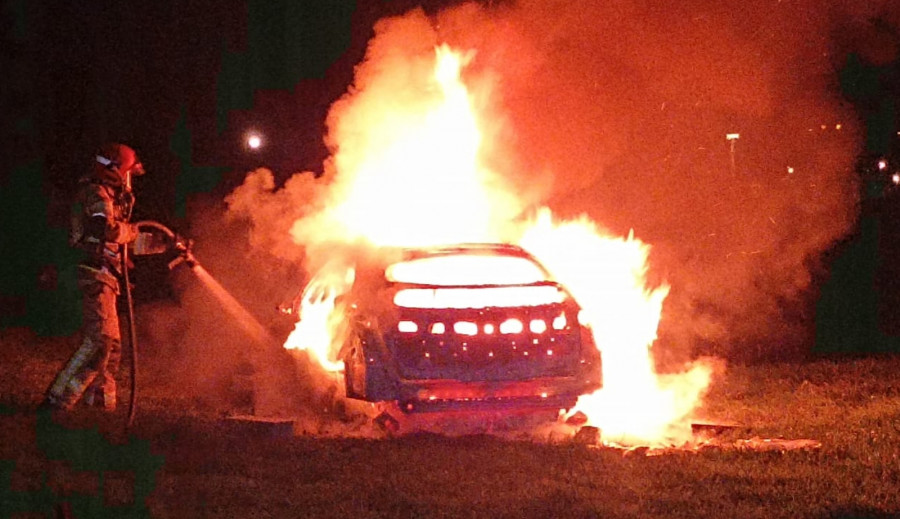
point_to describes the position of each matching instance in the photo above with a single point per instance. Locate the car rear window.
(466, 269)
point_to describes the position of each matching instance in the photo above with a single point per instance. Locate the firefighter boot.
(101, 395)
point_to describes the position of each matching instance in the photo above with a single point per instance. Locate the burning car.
(466, 326)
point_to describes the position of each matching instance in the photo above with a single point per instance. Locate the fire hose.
(132, 339)
(176, 243)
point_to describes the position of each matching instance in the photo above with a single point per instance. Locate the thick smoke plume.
(620, 110)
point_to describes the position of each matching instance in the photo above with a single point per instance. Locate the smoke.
(616, 110)
(214, 345)
(620, 110)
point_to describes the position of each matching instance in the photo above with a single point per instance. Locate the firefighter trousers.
(90, 372)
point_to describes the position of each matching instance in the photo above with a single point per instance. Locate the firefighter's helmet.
(117, 163)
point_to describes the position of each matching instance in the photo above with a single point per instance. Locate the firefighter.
(100, 227)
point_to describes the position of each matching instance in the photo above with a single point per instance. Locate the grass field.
(183, 462)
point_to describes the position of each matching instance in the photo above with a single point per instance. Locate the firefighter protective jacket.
(100, 226)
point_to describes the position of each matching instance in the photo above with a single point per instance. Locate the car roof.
(506, 249)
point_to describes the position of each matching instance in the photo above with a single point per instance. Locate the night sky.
(183, 84)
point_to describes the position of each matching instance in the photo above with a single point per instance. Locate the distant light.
(882, 165)
(790, 169)
(896, 179)
(837, 126)
(823, 127)
(254, 141)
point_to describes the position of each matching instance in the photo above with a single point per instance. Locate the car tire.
(352, 369)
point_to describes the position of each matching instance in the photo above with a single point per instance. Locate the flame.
(607, 276)
(408, 173)
(313, 333)
(318, 330)
(414, 178)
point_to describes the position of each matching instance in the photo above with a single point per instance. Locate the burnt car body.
(466, 326)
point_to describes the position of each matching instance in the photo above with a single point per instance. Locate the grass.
(192, 465)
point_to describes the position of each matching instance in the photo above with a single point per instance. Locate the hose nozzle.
(180, 244)
(185, 255)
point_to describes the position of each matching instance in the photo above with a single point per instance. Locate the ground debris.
(651, 451)
(257, 426)
(587, 435)
(754, 444)
(768, 444)
(387, 423)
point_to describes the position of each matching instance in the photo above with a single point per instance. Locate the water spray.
(146, 244)
(184, 247)
(151, 243)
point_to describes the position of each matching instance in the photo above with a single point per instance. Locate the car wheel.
(354, 371)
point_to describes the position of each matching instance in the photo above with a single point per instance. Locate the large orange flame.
(608, 277)
(316, 330)
(411, 175)
(415, 178)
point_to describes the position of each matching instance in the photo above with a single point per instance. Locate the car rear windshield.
(466, 270)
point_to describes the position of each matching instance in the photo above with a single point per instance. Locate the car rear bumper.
(444, 394)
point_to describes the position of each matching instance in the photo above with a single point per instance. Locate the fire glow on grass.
(403, 183)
